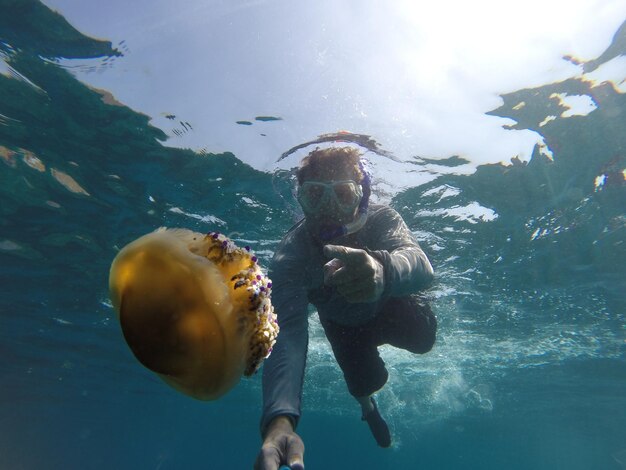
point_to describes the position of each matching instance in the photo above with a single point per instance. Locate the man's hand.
(281, 446)
(357, 275)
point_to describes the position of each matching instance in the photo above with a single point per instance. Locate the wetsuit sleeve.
(406, 267)
(283, 371)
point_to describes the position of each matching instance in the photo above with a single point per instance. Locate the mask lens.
(346, 194)
(312, 194)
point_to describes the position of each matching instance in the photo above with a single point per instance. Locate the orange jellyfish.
(195, 309)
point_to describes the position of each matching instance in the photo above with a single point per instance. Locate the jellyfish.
(193, 308)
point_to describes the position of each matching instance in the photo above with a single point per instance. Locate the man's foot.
(378, 426)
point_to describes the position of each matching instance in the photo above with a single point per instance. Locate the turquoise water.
(529, 371)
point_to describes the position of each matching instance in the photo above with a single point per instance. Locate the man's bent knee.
(424, 339)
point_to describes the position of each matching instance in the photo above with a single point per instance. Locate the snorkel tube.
(329, 232)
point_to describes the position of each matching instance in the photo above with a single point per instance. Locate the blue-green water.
(529, 370)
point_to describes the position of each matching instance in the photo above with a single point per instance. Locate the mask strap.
(366, 184)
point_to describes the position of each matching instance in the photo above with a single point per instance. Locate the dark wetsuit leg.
(406, 322)
(356, 352)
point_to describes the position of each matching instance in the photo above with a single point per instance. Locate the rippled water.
(529, 369)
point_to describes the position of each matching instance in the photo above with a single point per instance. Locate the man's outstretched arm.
(283, 371)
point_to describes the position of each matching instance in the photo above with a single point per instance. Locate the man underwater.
(361, 267)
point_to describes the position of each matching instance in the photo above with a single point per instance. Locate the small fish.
(268, 118)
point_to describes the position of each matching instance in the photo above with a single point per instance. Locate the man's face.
(330, 198)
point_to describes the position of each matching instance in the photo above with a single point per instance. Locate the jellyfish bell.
(195, 309)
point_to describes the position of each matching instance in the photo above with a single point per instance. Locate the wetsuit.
(354, 330)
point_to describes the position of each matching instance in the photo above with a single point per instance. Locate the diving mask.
(346, 195)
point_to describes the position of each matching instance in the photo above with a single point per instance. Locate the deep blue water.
(529, 371)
